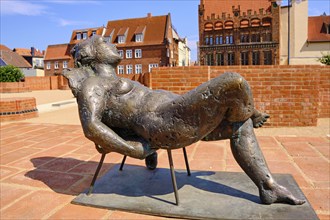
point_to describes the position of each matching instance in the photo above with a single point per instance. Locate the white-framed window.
(120, 69)
(56, 65)
(138, 53)
(79, 36)
(152, 65)
(138, 68)
(139, 37)
(129, 69)
(121, 53)
(128, 54)
(65, 64)
(93, 33)
(85, 35)
(121, 39)
(48, 65)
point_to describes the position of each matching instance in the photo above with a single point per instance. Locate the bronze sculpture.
(123, 116)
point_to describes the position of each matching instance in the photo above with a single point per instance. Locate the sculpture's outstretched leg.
(247, 153)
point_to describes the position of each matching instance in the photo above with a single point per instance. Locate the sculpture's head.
(95, 50)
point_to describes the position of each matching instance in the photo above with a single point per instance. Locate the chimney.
(149, 15)
(32, 51)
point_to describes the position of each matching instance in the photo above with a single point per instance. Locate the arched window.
(208, 27)
(255, 22)
(244, 23)
(266, 22)
(218, 26)
(229, 25)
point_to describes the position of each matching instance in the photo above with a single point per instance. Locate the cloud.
(22, 8)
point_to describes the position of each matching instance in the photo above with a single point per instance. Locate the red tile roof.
(12, 58)
(58, 52)
(3, 47)
(317, 31)
(217, 7)
(154, 28)
(28, 52)
(73, 40)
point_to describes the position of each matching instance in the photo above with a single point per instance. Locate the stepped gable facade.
(239, 32)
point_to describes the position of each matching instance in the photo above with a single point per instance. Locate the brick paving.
(44, 166)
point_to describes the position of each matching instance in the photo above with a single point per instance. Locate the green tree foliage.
(10, 74)
(325, 59)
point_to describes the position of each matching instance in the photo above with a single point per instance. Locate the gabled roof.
(153, 28)
(12, 58)
(28, 52)
(317, 28)
(73, 40)
(58, 52)
(218, 7)
(3, 47)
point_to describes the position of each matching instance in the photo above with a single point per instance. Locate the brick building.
(144, 43)
(239, 32)
(57, 58)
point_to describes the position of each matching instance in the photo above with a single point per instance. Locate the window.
(48, 65)
(65, 64)
(56, 65)
(121, 39)
(255, 37)
(231, 39)
(93, 33)
(220, 40)
(85, 35)
(211, 40)
(244, 58)
(138, 68)
(138, 37)
(78, 36)
(255, 58)
(209, 59)
(245, 38)
(231, 59)
(267, 57)
(128, 54)
(153, 65)
(120, 69)
(267, 37)
(129, 69)
(138, 53)
(207, 42)
(227, 40)
(220, 59)
(121, 53)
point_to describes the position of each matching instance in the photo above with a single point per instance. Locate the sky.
(39, 23)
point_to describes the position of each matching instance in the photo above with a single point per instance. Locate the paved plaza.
(46, 162)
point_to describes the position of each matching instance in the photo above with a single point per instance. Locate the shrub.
(325, 59)
(10, 74)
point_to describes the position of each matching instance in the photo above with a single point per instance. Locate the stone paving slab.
(203, 195)
(41, 162)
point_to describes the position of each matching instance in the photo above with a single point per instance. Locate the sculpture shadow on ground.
(132, 181)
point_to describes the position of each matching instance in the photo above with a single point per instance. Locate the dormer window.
(139, 37)
(84, 35)
(78, 36)
(93, 33)
(121, 39)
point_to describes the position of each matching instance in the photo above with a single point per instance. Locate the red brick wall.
(292, 95)
(12, 109)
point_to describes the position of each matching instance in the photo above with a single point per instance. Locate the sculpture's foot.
(151, 161)
(259, 119)
(279, 194)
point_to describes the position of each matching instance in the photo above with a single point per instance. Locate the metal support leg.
(122, 163)
(169, 153)
(186, 160)
(96, 174)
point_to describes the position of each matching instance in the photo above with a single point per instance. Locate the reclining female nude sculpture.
(123, 116)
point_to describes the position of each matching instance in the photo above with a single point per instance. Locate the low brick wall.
(292, 95)
(12, 109)
(11, 87)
